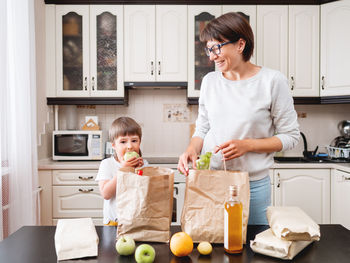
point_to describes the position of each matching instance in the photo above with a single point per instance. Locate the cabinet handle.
(292, 78)
(93, 83)
(158, 67)
(176, 190)
(322, 83)
(279, 180)
(152, 67)
(85, 178)
(85, 83)
(86, 190)
(346, 178)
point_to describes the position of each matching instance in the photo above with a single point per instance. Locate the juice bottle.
(233, 219)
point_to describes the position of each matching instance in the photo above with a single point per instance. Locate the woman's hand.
(233, 149)
(132, 162)
(190, 155)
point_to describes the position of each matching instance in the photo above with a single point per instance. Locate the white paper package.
(293, 224)
(267, 243)
(76, 238)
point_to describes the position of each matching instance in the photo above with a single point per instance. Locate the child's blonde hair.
(124, 126)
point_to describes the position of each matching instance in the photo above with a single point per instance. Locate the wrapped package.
(293, 224)
(75, 238)
(203, 211)
(267, 243)
(145, 203)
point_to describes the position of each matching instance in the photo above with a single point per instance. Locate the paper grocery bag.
(145, 203)
(203, 211)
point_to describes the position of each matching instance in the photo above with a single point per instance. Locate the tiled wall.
(151, 109)
(170, 138)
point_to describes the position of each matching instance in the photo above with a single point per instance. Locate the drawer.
(96, 221)
(76, 201)
(74, 177)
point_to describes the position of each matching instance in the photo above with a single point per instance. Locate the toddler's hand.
(133, 162)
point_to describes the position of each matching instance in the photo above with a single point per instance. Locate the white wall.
(43, 111)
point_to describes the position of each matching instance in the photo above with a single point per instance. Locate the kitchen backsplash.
(165, 118)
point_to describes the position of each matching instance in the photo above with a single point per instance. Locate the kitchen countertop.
(172, 163)
(36, 244)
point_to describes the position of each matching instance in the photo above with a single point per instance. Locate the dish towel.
(76, 238)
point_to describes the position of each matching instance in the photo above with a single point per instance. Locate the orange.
(181, 244)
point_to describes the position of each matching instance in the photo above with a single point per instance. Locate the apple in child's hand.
(125, 246)
(129, 155)
(145, 254)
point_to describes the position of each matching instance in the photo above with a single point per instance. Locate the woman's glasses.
(216, 49)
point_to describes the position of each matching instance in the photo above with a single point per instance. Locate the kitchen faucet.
(308, 154)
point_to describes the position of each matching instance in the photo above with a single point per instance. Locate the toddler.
(125, 135)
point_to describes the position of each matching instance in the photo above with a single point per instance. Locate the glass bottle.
(233, 220)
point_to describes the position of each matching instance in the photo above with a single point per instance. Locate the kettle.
(344, 128)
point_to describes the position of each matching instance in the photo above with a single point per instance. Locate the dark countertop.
(35, 244)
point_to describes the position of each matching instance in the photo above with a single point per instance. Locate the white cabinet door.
(272, 37)
(76, 201)
(304, 50)
(340, 198)
(250, 12)
(198, 62)
(139, 42)
(171, 43)
(335, 51)
(72, 51)
(308, 189)
(106, 51)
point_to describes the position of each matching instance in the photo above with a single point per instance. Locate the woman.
(245, 111)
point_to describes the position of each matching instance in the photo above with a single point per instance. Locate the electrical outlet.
(176, 113)
(302, 115)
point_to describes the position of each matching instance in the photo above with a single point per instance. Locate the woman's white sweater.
(258, 107)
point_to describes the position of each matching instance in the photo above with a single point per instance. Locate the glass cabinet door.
(71, 56)
(199, 63)
(106, 68)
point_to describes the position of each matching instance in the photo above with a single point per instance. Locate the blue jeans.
(260, 199)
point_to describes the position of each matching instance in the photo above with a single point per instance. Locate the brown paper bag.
(203, 211)
(145, 203)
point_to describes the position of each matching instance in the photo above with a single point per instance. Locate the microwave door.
(71, 145)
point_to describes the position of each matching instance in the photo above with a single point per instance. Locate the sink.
(290, 159)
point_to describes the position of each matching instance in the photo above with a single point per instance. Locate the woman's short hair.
(124, 126)
(230, 27)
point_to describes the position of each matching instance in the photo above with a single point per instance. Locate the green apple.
(125, 246)
(145, 254)
(129, 155)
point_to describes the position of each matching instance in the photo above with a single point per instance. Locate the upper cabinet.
(155, 39)
(335, 52)
(303, 55)
(288, 40)
(272, 37)
(89, 51)
(198, 62)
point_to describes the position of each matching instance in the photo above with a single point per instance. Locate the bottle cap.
(234, 189)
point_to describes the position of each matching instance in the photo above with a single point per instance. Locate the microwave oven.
(77, 145)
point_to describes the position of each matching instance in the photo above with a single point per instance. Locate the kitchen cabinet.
(308, 189)
(288, 40)
(155, 39)
(88, 51)
(340, 198)
(198, 62)
(303, 55)
(272, 37)
(335, 52)
(70, 194)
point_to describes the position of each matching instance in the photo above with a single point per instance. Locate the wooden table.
(35, 244)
